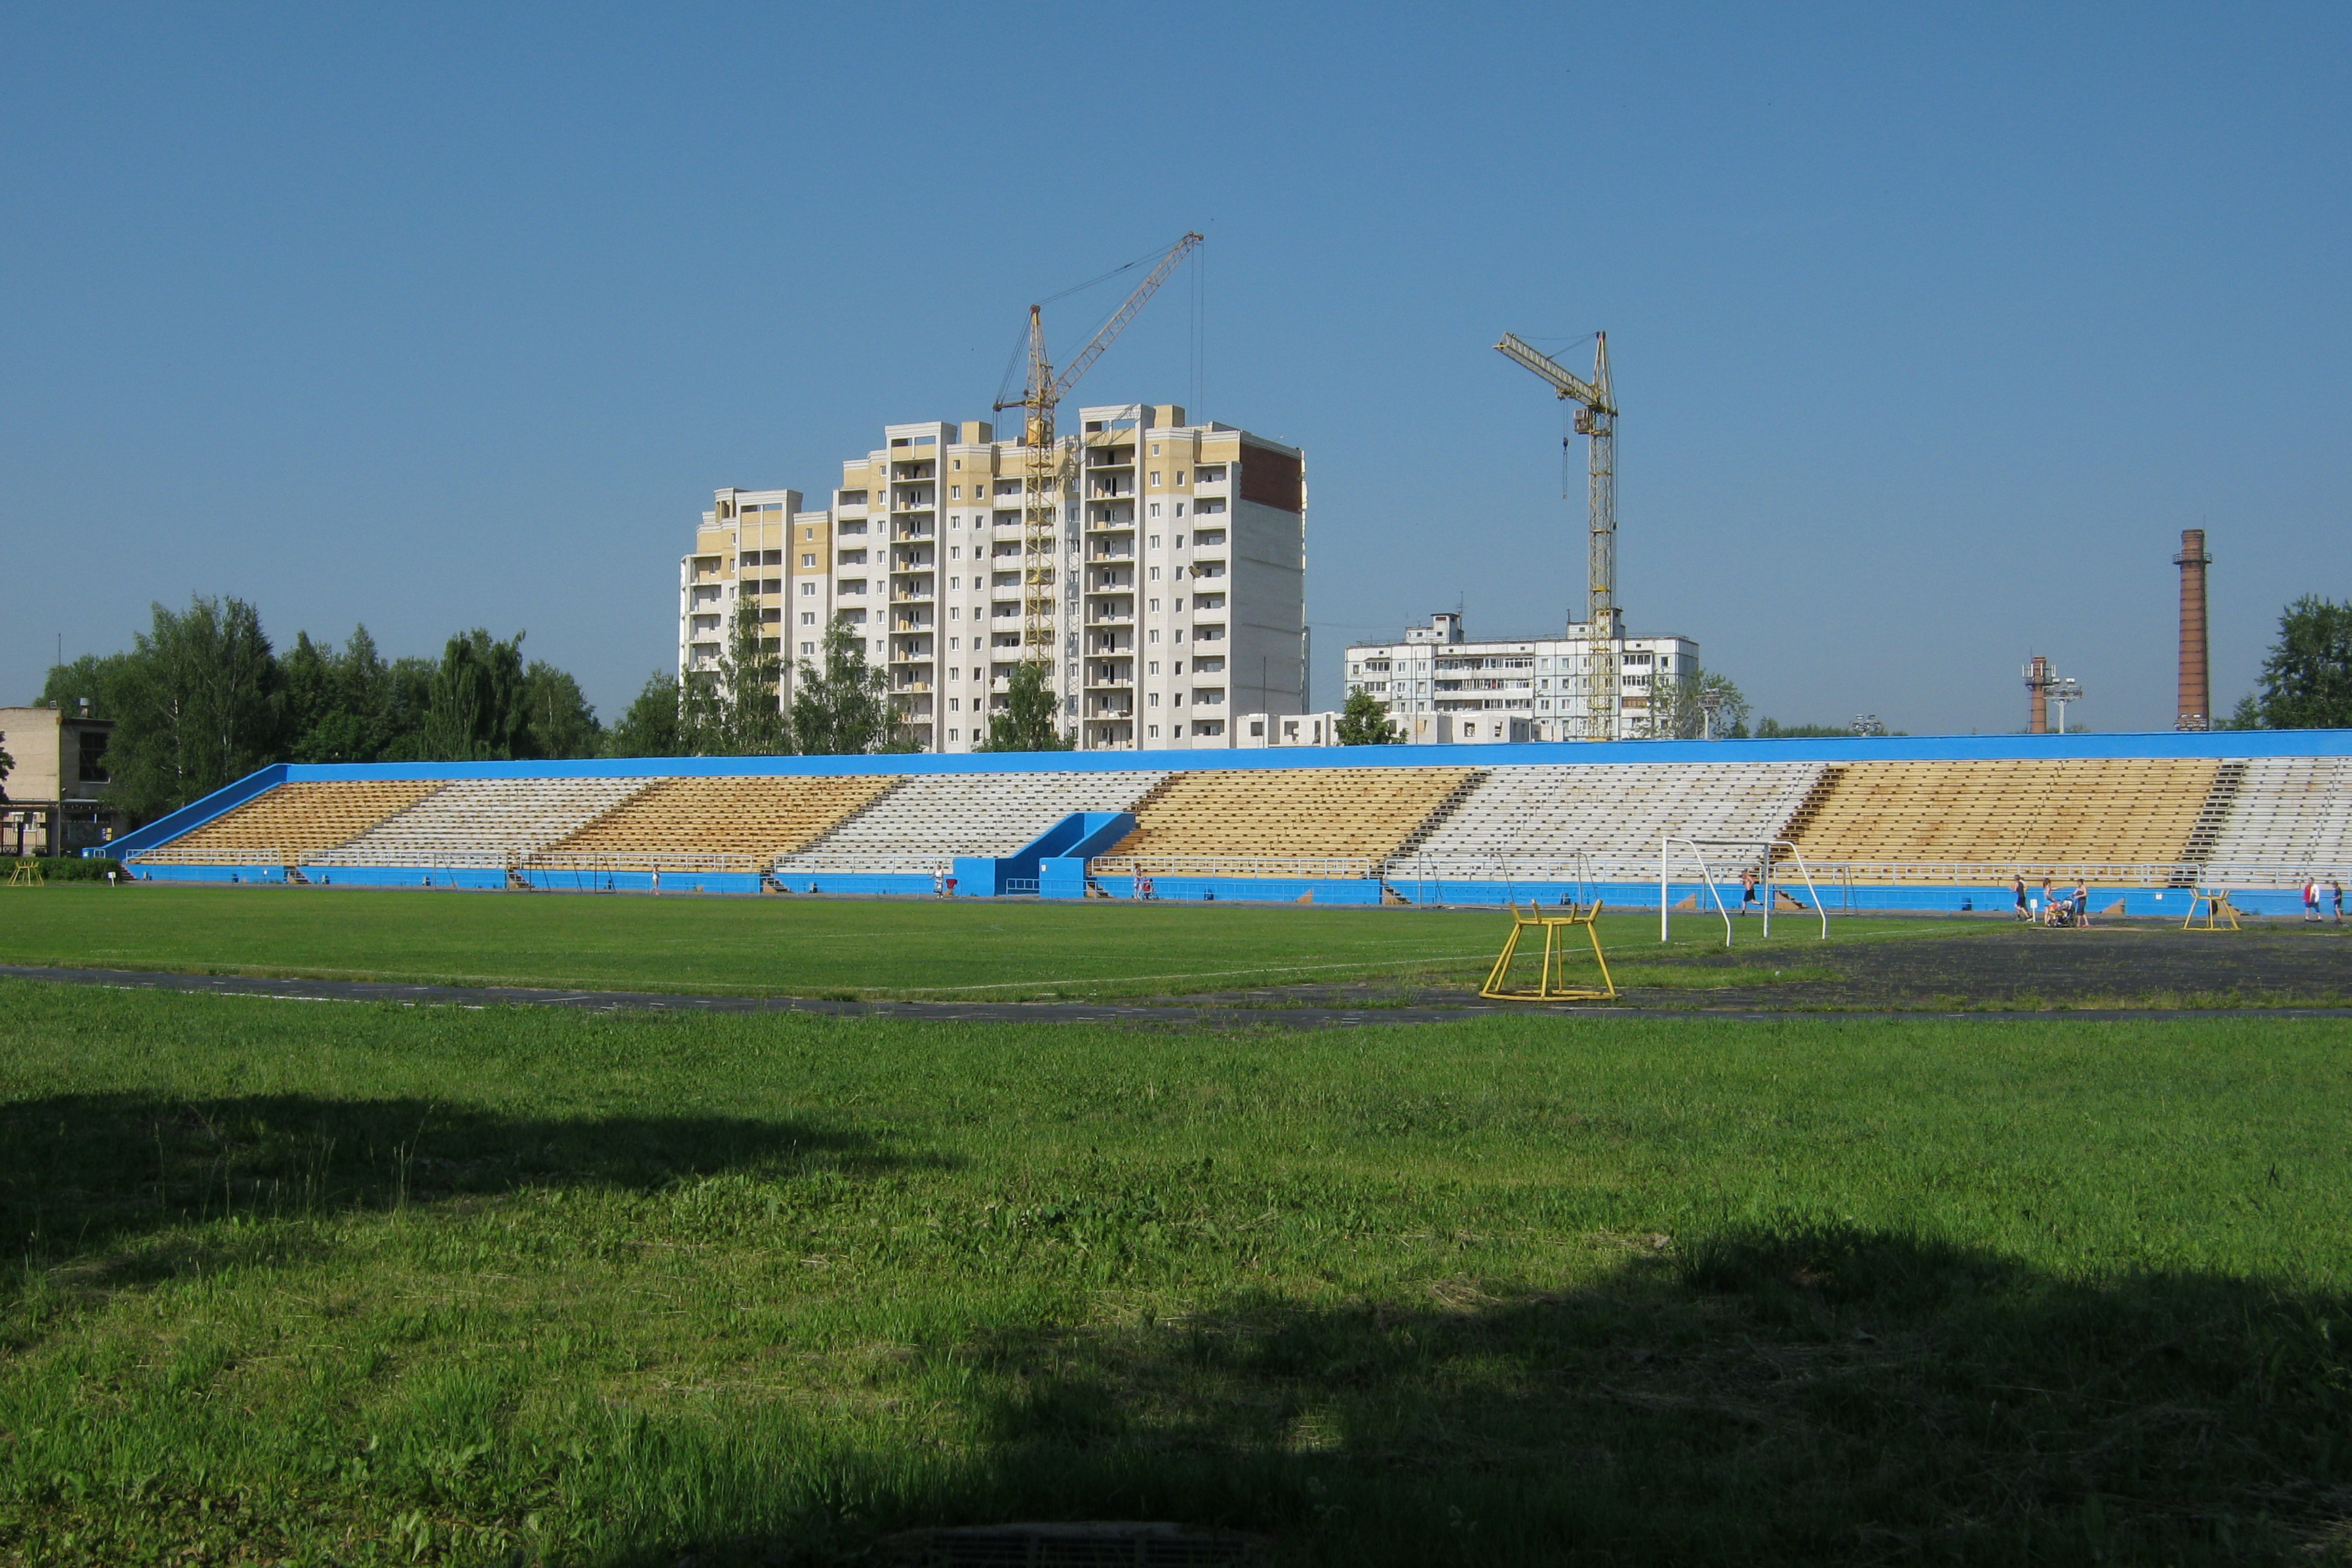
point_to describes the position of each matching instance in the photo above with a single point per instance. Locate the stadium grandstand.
(1875, 823)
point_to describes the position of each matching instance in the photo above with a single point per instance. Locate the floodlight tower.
(1596, 420)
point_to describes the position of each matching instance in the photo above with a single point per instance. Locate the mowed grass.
(839, 947)
(337, 1283)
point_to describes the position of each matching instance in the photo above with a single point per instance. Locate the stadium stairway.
(918, 831)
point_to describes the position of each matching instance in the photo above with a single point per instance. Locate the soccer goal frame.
(1699, 849)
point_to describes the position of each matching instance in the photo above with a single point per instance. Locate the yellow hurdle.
(27, 873)
(1551, 984)
(2217, 908)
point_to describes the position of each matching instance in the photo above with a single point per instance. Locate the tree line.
(202, 698)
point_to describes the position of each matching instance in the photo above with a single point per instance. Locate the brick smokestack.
(2037, 686)
(2196, 711)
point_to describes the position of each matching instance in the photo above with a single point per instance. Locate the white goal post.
(1700, 849)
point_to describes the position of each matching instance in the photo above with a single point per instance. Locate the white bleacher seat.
(1611, 815)
(2292, 817)
(485, 821)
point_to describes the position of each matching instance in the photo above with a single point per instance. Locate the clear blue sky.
(1932, 326)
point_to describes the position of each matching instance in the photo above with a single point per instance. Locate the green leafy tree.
(1364, 722)
(843, 708)
(649, 728)
(2306, 681)
(1030, 719)
(1773, 730)
(94, 677)
(475, 712)
(7, 763)
(2246, 715)
(338, 704)
(198, 703)
(557, 714)
(1677, 712)
(737, 709)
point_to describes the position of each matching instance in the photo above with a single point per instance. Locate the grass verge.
(332, 1285)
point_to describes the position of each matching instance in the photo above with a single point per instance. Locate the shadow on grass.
(86, 1172)
(1801, 1394)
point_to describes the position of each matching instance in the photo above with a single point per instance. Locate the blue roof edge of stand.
(1824, 749)
(193, 814)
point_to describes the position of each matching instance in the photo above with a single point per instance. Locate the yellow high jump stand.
(1551, 984)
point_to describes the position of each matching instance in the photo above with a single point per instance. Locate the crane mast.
(1596, 421)
(1045, 477)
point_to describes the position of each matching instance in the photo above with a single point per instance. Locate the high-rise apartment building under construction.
(1177, 580)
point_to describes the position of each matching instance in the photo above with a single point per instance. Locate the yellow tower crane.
(1596, 420)
(1045, 477)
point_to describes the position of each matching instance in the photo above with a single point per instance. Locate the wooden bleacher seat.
(2021, 813)
(293, 822)
(751, 819)
(1275, 814)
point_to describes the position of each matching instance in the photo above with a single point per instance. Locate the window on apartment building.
(1180, 476)
(808, 561)
(1155, 606)
(808, 617)
(1155, 574)
(1153, 635)
(1151, 700)
(955, 492)
(1179, 538)
(1155, 541)
(1155, 473)
(1155, 508)
(808, 650)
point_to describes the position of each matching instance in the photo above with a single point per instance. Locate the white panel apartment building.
(1440, 687)
(1179, 579)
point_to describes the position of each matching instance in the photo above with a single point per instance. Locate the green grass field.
(824, 947)
(329, 1283)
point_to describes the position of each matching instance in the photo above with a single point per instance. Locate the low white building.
(1440, 687)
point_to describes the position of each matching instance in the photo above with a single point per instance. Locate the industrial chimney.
(2037, 686)
(2195, 705)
